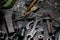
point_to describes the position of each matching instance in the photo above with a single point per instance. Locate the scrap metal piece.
(9, 23)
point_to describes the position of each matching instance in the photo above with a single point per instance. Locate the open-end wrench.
(33, 31)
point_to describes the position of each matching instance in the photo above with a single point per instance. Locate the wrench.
(33, 31)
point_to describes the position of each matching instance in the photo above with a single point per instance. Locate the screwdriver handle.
(49, 27)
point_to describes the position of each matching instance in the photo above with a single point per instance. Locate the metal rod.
(49, 27)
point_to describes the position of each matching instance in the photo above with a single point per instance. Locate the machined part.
(40, 36)
(49, 39)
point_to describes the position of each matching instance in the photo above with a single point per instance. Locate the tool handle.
(49, 27)
(29, 8)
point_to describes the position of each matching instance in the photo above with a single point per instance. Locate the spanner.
(33, 31)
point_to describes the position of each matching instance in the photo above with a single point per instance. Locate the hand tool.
(33, 31)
